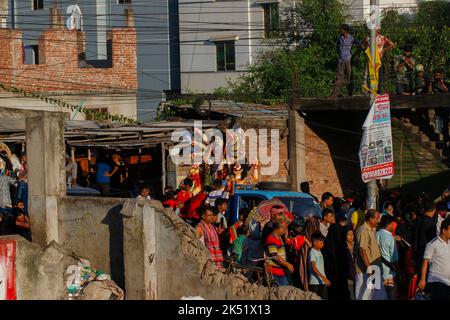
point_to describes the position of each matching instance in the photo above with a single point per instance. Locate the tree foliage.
(307, 45)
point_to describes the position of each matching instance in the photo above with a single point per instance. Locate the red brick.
(58, 70)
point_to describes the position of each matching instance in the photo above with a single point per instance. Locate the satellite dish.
(75, 20)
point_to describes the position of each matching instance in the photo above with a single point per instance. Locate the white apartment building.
(360, 9)
(220, 39)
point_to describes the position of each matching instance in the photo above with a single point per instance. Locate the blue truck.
(299, 203)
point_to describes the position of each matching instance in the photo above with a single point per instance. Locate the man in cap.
(405, 65)
(421, 81)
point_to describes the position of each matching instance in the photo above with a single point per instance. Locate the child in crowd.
(243, 214)
(169, 200)
(318, 281)
(22, 222)
(222, 206)
(144, 193)
(238, 244)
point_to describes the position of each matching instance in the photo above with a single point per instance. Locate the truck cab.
(299, 203)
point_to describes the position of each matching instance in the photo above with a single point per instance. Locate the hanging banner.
(375, 151)
(374, 71)
(7, 269)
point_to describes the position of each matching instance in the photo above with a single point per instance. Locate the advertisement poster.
(375, 151)
(7, 270)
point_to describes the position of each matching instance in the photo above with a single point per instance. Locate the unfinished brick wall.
(283, 174)
(58, 69)
(320, 169)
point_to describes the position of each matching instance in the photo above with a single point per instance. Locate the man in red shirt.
(275, 249)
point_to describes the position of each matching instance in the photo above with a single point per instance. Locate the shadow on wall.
(113, 220)
(344, 146)
(433, 185)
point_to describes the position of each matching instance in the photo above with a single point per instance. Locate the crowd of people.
(351, 252)
(409, 74)
(338, 256)
(14, 217)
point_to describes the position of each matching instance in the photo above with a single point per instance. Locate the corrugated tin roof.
(104, 134)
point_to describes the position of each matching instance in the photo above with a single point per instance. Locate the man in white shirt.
(222, 206)
(437, 264)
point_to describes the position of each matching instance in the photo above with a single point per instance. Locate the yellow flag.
(374, 72)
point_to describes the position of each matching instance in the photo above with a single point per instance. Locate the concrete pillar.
(129, 18)
(139, 249)
(56, 18)
(46, 173)
(171, 172)
(297, 158)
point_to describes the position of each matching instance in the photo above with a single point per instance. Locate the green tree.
(307, 44)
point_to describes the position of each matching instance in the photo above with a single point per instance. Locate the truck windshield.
(302, 207)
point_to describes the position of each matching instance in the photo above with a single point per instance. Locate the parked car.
(299, 203)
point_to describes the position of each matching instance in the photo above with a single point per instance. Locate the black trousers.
(104, 188)
(320, 289)
(438, 291)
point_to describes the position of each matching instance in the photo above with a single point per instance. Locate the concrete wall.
(92, 227)
(40, 271)
(165, 260)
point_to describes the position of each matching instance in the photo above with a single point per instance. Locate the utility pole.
(296, 144)
(372, 188)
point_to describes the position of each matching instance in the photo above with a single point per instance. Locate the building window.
(225, 56)
(271, 19)
(38, 4)
(124, 1)
(32, 54)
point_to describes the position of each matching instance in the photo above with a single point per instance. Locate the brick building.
(157, 48)
(60, 69)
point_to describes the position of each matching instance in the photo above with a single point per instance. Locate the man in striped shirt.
(218, 193)
(275, 249)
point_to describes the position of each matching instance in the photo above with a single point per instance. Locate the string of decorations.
(102, 116)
